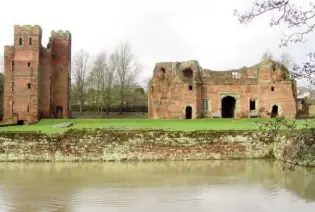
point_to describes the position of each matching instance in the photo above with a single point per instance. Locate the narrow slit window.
(190, 87)
(28, 108)
(12, 107)
(28, 64)
(20, 41)
(12, 86)
(29, 86)
(12, 66)
(30, 41)
(272, 88)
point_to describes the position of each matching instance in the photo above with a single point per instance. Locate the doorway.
(274, 111)
(20, 122)
(228, 107)
(188, 113)
(59, 112)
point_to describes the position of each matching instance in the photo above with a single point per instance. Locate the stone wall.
(118, 145)
(171, 91)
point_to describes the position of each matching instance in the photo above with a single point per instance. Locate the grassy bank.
(46, 125)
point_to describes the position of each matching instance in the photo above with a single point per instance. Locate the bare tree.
(109, 81)
(95, 82)
(127, 70)
(300, 18)
(80, 71)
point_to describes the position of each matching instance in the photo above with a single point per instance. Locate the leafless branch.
(290, 15)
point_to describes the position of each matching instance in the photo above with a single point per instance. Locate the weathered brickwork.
(184, 90)
(36, 79)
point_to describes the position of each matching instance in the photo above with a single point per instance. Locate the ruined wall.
(173, 88)
(281, 96)
(241, 93)
(111, 145)
(61, 62)
(135, 145)
(267, 84)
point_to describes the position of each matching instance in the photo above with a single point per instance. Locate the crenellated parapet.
(27, 29)
(61, 33)
(8, 50)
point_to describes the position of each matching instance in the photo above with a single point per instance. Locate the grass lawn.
(45, 125)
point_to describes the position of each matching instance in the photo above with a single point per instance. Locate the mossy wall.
(119, 145)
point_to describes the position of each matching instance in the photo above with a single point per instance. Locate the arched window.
(188, 73)
(162, 73)
(20, 41)
(30, 41)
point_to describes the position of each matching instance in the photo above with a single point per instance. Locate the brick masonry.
(177, 87)
(36, 79)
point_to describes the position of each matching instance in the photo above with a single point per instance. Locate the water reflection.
(257, 185)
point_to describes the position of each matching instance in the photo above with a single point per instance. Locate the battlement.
(27, 29)
(8, 49)
(61, 33)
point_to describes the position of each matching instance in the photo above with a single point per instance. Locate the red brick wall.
(245, 92)
(169, 95)
(7, 95)
(26, 67)
(61, 49)
(45, 83)
(49, 77)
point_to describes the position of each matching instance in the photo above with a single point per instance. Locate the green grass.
(45, 125)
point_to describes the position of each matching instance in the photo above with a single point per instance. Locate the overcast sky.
(162, 30)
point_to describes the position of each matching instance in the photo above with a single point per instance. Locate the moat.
(214, 185)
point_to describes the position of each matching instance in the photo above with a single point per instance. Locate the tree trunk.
(80, 109)
(121, 101)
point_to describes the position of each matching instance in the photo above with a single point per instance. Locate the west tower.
(36, 79)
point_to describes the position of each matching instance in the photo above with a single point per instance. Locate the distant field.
(46, 125)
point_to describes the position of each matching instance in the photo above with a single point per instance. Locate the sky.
(158, 31)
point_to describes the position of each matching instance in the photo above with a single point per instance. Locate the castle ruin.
(180, 90)
(36, 79)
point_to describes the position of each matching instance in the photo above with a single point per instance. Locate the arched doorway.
(59, 112)
(188, 112)
(274, 111)
(228, 107)
(20, 122)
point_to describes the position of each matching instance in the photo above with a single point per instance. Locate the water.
(221, 186)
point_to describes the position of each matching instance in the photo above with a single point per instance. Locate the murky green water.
(222, 186)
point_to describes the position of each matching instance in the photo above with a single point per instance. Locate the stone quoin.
(36, 79)
(180, 90)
